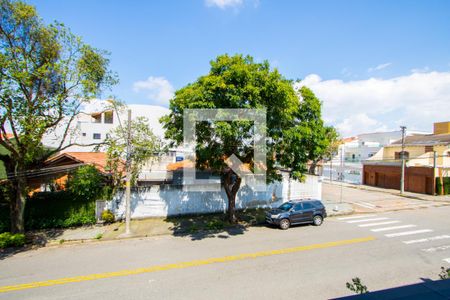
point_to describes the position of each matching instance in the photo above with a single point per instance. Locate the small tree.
(145, 146)
(445, 273)
(46, 73)
(357, 286)
(240, 82)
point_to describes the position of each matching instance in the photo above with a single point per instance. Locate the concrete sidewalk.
(209, 224)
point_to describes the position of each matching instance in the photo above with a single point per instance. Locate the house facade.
(96, 120)
(56, 170)
(427, 160)
(347, 164)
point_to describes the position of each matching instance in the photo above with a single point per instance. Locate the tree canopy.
(240, 82)
(46, 73)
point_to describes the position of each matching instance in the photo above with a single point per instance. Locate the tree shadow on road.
(199, 227)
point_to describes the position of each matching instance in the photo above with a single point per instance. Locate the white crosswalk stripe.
(367, 220)
(378, 224)
(430, 239)
(435, 249)
(407, 233)
(355, 217)
(393, 228)
(368, 204)
(364, 205)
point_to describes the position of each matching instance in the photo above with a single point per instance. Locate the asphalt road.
(304, 262)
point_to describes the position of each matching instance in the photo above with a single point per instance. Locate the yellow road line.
(182, 265)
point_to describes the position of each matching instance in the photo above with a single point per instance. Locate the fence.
(170, 200)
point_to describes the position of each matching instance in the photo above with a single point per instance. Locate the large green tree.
(46, 73)
(240, 82)
(321, 141)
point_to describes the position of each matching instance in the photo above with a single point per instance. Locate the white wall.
(82, 127)
(168, 200)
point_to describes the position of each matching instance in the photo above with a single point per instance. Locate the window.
(97, 136)
(298, 207)
(109, 116)
(285, 206)
(307, 205)
(429, 149)
(83, 134)
(399, 156)
(96, 118)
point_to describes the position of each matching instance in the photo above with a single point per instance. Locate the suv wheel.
(285, 224)
(317, 220)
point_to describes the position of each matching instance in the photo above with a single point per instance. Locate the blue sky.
(364, 51)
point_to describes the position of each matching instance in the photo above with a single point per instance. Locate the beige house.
(427, 160)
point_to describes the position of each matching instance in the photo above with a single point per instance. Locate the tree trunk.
(312, 168)
(232, 183)
(17, 204)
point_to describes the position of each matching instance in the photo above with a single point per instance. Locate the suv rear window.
(317, 204)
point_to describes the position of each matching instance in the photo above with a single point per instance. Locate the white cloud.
(379, 67)
(223, 4)
(157, 89)
(415, 100)
(362, 122)
(420, 70)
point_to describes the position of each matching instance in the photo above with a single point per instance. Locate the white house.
(347, 164)
(97, 119)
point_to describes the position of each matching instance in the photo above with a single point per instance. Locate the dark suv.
(297, 212)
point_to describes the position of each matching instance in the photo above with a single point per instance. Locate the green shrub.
(86, 183)
(446, 181)
(11, 240)
(58, 210)
(108, 216)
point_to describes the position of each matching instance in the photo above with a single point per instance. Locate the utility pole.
(128, 178)
(331, 170)
(402, 180)
(342, 168)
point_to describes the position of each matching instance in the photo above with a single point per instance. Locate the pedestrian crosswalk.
(366, 220)
(408, 232)
(392, 229)
(378, 224)
(433, 238)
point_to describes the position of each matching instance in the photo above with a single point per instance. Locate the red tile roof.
(349, 139)
(97, 159)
